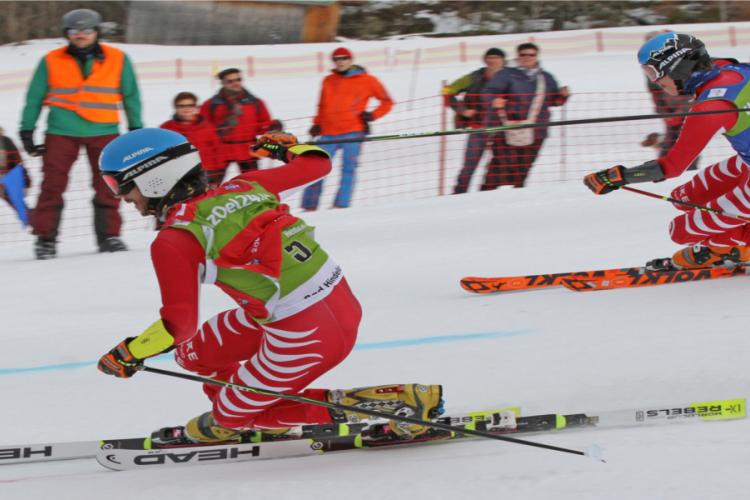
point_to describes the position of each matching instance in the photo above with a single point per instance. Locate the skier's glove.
(127, 357)
(120, 362)
(314, 130)
(27, 139)
(606, 181)
(274, 145)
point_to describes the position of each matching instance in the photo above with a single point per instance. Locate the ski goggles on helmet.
(122, 182)
(651, 73)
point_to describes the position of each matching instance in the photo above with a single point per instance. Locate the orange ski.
(531, 282)
(640, 277)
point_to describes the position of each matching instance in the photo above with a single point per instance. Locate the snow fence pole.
(367, 411)
(584, 121)
(702, 208)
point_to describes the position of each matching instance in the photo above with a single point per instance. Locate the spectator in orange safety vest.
(343, 114)
(84, 83)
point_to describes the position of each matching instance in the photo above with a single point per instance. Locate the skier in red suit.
(679, 63)
(296, 317)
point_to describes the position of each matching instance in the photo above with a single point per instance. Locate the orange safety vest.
(95, 98)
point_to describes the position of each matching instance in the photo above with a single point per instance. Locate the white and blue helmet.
(154, 159)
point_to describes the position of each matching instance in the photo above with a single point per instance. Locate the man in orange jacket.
(343, 114)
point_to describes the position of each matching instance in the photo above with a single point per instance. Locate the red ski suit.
(284, 355)
(724, 186)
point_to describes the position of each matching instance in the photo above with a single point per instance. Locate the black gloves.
(276, 126)
(366, 118)
(274, 145)
(120, 362)
(27, 138)
(314, 131)
(606, 181)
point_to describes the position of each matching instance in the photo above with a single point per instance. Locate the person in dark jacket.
(471, 111)
(239, 118)
(201, 134)
(523, 96)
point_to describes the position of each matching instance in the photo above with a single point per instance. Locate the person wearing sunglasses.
(343, 114)
(85, 84)
(199, 131)
(521, 96)
(239, 117)
(680, 64)
(296, 317)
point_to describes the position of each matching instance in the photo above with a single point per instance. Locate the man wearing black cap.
(470, 111)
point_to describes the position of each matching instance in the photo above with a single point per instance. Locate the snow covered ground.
(546, 351)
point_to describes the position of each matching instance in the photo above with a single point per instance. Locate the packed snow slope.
(546, 351)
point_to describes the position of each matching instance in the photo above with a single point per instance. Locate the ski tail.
(643, 277)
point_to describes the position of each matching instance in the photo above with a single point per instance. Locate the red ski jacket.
(202, 135)
(237, 129)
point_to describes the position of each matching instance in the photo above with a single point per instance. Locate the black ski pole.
(367, 411)
(702, 208)
(584, 121)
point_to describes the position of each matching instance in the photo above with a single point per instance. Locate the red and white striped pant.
(724, 186)
(283, 356)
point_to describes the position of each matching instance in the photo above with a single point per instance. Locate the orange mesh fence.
(406, 169)
(315, 62)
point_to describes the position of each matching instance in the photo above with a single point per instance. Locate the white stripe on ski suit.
(265, 380)
(708, 226)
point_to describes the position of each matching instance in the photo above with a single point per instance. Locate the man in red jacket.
(239, 118)
(198, 131)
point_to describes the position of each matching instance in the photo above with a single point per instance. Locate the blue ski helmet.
(676, 55)
(154, 159)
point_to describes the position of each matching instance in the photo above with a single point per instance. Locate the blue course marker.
(362, 346)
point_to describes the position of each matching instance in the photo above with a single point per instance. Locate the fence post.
(321, 62)
(462, 52)
(178, 68)
(443, 141)
(250, 66)
(414, 76)
(563, 144)
(732, 36)
(599, 41)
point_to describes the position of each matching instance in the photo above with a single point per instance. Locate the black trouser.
(510, 165)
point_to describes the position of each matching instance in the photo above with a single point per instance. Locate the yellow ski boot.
(418, 401)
